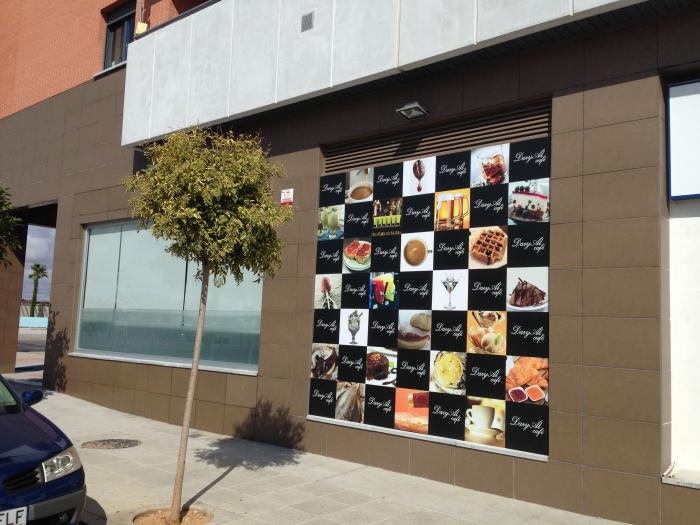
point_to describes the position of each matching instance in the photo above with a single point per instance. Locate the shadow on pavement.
(93, 514)
(272, 425)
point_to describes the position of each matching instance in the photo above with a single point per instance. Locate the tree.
(38, 272)
(9, 227)
(210, 195)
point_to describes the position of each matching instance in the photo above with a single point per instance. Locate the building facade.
(588, 82)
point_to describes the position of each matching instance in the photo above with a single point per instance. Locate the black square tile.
(413, 369)
(416, 290)
(530, 159)
(388, 181)
(446, 416)
(451, 250)
(351, 363)
(383, 328)
(489, 206)
(331, 190)
(417, 215)
(487, 289)
(528, 245)
(326, 326)
(380, 406)
(486, 376)
(449, 331)
(386, 253)
(527, 427)
(528, 334)
(329, 256)
(452, 171)
(358, 219)
(355, 292)
(322, 398)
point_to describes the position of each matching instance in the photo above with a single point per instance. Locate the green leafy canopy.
(210, 195)
(9, 227)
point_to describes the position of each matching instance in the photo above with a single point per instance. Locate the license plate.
(14, 516)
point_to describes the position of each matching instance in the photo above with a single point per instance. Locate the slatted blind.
(512, 126)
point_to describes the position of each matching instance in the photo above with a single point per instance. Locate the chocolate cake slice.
(526, 294)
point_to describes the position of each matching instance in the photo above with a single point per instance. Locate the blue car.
(42, 481)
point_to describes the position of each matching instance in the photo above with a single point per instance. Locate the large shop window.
(684, 224)
(139, 302)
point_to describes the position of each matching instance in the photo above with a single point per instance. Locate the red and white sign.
(287, 197)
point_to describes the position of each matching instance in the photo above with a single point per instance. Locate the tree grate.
(110, 444)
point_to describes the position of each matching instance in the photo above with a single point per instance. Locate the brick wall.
(48, 47)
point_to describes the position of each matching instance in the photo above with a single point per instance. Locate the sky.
(40, 242)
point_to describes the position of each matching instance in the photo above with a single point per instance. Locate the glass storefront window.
(140, 303)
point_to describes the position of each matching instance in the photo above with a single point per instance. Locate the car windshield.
(8, 404)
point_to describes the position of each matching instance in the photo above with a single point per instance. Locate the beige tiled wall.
(10, 295)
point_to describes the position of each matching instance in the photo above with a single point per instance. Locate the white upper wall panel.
(435, 28)
(497, 18)
(239, 57)
(365, 40)
(138, 90)
(254, 64)
(210, 63)
(171, 78)
(304, 57)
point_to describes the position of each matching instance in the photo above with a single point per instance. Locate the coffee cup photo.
(480, 416)
(416, 251)
(360, 186)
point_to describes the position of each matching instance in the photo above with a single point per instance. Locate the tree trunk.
(32, 308)
(176, 506)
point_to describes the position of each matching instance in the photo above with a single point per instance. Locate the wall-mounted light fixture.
(413, 110)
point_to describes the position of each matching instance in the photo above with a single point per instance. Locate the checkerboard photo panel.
(432, 295)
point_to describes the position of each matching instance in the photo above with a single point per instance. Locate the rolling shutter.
(503, 127)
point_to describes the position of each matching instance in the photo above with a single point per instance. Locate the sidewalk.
(243, 482)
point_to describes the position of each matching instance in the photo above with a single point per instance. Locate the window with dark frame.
(120, 32)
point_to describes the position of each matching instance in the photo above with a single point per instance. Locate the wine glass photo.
(450, 283)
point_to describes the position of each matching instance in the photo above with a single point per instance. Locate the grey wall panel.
(137, 94)
(430, 29)
(304, 62)
(501, 17)
(254, 55)
(210, 63)
(171, 72)
(365, 40)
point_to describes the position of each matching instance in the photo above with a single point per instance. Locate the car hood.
(29, 436)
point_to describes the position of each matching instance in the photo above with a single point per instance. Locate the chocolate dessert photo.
(527, 289)
(380, 367)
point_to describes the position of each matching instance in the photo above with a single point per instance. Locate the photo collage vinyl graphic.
(431, 296)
